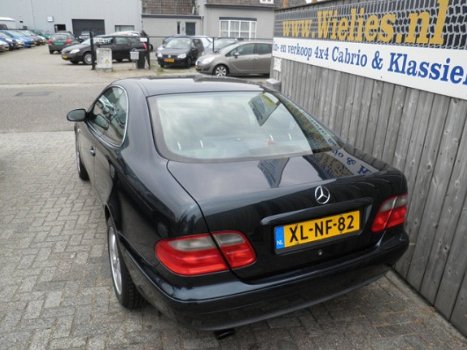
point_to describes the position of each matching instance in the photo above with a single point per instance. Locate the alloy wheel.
(87, 58)
(115, 261)
(220, 71)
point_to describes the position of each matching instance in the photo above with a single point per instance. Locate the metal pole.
(93, 53)
(148, 49)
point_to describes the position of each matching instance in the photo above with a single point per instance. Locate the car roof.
(61, 33)
(116, 36)
(173, 85)
(256, 41)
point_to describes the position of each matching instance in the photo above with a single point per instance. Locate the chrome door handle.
(92, 151)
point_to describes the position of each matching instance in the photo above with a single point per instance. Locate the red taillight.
(49, 42)
(391, 213)
(145, 46)
(236, 249)
(199, 254)
(68, 41)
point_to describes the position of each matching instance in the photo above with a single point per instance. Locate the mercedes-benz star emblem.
(322, 195)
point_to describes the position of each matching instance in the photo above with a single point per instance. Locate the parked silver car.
(244, 58)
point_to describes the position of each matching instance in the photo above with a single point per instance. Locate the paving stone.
(56, 291)
(67, 343)
(33, 310)
(40, 340)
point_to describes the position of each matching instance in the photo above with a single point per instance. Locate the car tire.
(220, 71)
(51, 51)
(74, 62)
(82, 172)
(119, 60)
(124, 288)
(87, 58)
(162, 64)
(189, 62)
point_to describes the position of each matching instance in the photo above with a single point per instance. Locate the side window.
(198, 44)
(121, 41)
(263, 49)
(106, 41)
(247, 49)
(109, 114)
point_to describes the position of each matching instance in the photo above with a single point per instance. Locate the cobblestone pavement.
(56, 293)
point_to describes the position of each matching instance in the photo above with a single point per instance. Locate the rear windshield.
(218, 126)
(60, 36)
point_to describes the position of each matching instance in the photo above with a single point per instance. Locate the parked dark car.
(121, 46)
(59, 41)
(207, 42)
(227, 204)
(243, 58)
(180, 51)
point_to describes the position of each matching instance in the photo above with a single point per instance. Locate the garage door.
(97, 26)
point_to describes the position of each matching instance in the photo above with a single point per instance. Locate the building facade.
(100, 16)
(247, 19)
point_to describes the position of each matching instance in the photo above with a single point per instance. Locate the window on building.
(124, 28)
(266, 2)
(190, 28)
(235, 28)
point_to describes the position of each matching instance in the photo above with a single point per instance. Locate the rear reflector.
(198, 254)
(391, 213)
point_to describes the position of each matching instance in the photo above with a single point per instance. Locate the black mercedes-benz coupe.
(226, 203)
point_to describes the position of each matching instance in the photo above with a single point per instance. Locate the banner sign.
(420, 44)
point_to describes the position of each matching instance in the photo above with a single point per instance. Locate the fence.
(422, 133)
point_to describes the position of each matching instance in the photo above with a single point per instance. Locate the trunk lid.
(260, 198)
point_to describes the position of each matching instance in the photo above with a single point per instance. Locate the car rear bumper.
(230, 304)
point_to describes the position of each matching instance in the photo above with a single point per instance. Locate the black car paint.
(119, 51)
(149, 197)
(192, 53)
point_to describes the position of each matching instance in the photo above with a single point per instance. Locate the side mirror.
(236, 54)
(76, 115)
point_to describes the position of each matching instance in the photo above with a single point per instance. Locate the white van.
(9, 23)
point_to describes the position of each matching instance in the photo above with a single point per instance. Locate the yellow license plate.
(65, 57)
(169, 60)
(316, 230)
